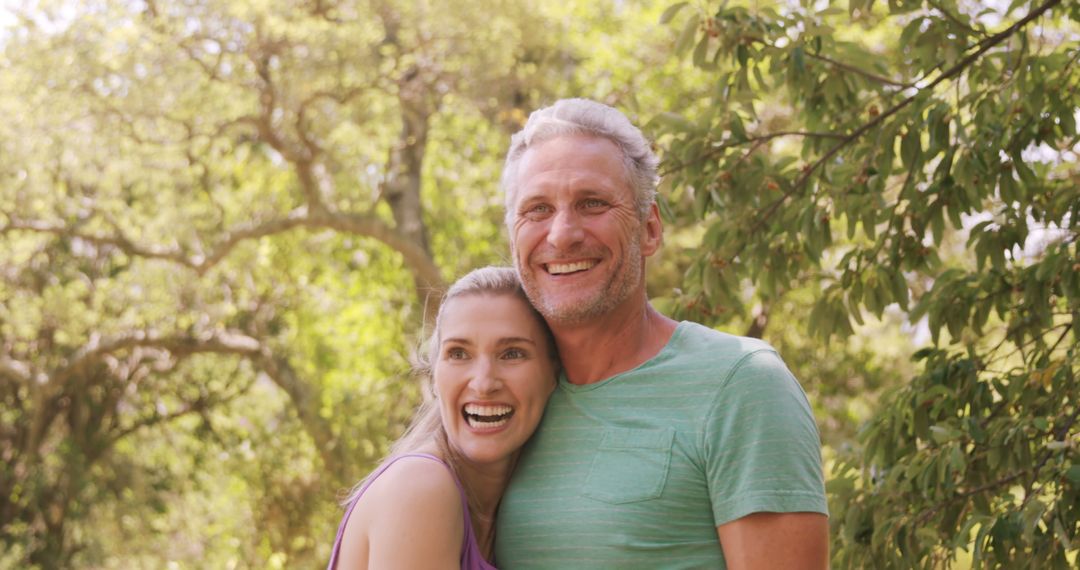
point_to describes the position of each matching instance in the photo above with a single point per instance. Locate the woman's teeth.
(487, 416)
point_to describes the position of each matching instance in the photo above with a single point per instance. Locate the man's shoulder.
(695, 339)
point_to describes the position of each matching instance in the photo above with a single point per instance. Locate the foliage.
(222, 222)
(917, 158)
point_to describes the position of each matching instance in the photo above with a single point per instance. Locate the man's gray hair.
(584, 117)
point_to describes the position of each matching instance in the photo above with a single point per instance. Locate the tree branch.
(955, 70)
(858, 71)
(306, 402)
(222, 342)
(1058, 434)
(364, 225)
(936, 4)
(755, 141)
(198, 406)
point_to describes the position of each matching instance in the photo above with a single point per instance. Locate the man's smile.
(571, 267)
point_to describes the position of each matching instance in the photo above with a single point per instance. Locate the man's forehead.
(577, 184)
(582, 163)
(573, 145)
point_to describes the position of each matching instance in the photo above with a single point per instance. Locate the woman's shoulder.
(420, 482)
(412, 496)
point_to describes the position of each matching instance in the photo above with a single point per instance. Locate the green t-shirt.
(638, 470)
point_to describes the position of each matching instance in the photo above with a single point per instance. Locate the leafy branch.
(858, 71)
(809, 170)
(363, 225)
(755, 141)
(1058, 433)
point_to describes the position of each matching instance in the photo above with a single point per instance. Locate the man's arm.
(796, 541)
(765, 475)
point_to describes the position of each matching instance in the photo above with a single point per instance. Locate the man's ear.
(652, 231)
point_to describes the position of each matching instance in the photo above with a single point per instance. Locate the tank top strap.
(470, 551)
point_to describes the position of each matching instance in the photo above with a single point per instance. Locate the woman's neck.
(484, 485)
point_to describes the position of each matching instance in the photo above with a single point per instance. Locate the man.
(665, 445)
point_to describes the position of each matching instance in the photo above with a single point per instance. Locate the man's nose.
(565, 230)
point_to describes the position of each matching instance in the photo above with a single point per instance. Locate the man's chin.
(571, 312)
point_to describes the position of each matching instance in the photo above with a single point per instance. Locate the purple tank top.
(471, 559)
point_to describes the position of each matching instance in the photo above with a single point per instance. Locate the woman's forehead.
(489, 315)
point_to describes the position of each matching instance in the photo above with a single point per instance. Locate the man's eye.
(594, 203)
(513, 354)
(538, 209)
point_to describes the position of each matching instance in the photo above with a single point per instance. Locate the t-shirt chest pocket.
(630, 465)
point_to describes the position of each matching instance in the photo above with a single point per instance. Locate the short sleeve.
(763, 451)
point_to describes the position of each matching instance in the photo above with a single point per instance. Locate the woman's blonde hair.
(426, 426)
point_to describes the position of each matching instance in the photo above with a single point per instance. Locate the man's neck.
(611, 344)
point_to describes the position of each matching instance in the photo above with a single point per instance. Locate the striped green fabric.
(637, 471)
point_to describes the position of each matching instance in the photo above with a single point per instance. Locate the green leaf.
(701, 202)
(672, 11)
(899, 288)
(798, 60)
(1067, 122)
(701, 52)
(762, 84)
(686, 38)
(1073, 474)
(911, 149)
(738, 132)
(675, 122)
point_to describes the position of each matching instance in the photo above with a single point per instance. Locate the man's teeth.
(560, 268)
(487, 416)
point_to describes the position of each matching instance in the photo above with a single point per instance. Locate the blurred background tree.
(221, 224)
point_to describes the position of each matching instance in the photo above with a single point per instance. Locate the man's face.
(577, 238)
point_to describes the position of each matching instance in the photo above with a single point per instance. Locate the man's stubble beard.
(624, 278)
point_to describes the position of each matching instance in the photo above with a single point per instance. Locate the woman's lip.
(486, 427)
(487, 417)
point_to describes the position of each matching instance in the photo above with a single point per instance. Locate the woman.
(432, 503)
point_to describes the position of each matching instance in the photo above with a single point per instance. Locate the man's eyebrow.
(526, 200)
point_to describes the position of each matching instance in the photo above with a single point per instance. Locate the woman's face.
(493, 375)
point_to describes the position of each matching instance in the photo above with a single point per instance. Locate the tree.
(198, 199)
(915, 157)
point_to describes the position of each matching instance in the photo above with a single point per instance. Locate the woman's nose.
(485, 378)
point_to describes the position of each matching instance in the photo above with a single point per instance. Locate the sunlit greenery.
(221, 223)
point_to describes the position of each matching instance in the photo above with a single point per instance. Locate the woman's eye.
(513, 354)
(456, 353)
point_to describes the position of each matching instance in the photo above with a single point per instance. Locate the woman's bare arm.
(410, 517)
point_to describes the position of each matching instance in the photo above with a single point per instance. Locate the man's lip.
(569, 267)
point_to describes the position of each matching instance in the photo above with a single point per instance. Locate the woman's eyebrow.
(500, 342)
(515, 340)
